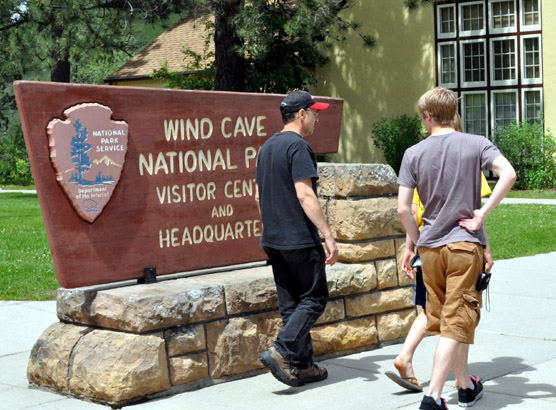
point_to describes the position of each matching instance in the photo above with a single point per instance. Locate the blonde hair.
(456, 123)
(440, 103)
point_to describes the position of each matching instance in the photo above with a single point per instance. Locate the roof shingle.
(188, 33)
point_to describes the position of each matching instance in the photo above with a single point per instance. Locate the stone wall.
(119, 345)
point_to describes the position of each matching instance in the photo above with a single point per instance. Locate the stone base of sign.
(124, 344)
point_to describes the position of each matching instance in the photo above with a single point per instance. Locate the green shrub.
(531, 152)
(394, 136)
(14, 165)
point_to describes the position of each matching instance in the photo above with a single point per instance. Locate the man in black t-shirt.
(291, 215)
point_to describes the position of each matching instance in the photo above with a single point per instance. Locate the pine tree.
(79, 157)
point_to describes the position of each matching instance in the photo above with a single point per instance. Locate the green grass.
(26, 268)
(521, 230)
(27, 271)
(17, 187)
(551, 194)
(547, 194)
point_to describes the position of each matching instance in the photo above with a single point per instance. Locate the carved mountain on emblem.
(106, 160)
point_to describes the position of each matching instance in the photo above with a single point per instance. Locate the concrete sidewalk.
(515, 352)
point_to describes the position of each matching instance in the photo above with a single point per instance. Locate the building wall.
(146, 82)
(381, 82)
(548, 15)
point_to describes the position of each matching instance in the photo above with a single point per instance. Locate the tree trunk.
(61, 71)
(229, 65)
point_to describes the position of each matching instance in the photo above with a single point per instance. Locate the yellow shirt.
(485, 191)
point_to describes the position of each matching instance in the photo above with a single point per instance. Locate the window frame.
(492, 108)
(524, 106)
(464, 113)
(533, 27)
(525, 80)
(471, 84)
(469, 33)
(503, 30)
(439, 61)
(439, 34)
(492, 66)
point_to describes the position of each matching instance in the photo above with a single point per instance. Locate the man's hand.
(331, 251)
(489, 261)
(406, 264)
(475, 223)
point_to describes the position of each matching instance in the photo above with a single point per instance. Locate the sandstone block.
(356, 220)
(344, 336)
(115, 366)
(185, 339)
(49, 361)
(186, 369)
(251, 295)
(387, 273)
(234, 345)
(347, 180)
(334, 311)
(395, 325)
(74, 305)
(366, 251)
(377, 302)
(143, 308)
(345, 279)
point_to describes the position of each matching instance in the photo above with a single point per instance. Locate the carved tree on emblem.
(79, 157)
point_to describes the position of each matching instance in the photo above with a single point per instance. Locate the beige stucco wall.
(380, 82)
(147, 82)
(548, 13)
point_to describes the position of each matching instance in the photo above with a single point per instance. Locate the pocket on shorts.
(468, 247)
(472, 308)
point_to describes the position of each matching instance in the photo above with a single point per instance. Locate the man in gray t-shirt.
(446, 170)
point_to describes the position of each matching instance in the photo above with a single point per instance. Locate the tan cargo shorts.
(450, 273)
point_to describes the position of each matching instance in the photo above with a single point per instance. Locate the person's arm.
(311, 206)
(489, 261)
(506, 179)
(405, 196)
(257, 197)
(409, 252)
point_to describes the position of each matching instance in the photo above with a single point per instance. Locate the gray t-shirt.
(446, 170)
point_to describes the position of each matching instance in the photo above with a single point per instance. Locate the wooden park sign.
(134, 178)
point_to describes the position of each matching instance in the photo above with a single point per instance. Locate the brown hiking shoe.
(279, 366)
(315, 373)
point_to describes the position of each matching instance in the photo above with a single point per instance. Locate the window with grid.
(530, 15)
(503, 54)
(504, 108)
(447, 65)
(474, 113)
(532, 104)
(531, 59)
(473, 63)
(509, 85)
(502, 16)
(447, 21)
(472, 18)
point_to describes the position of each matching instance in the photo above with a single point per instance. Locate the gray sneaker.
(280, 367)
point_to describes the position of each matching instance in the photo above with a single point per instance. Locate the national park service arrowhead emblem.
(87, 150)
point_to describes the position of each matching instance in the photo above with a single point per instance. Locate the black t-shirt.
(284, 159)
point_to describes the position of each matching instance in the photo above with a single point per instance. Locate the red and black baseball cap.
(296, 100)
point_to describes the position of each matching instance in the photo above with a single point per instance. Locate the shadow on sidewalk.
(509, 390)
(342, 369)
